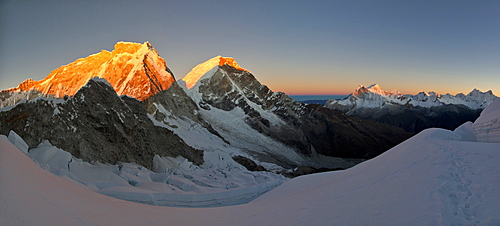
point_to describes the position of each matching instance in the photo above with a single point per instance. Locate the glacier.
(175, 181)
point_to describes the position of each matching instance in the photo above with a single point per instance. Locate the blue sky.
(299, 47)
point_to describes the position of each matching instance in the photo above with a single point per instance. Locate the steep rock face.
(96, 125)
(309, 130)
(413, 113)
(416, 119)
(8, 98)
(174, 104)
(132, 69)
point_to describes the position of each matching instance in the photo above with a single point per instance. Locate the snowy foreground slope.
(434, 178)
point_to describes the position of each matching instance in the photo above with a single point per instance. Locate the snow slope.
(201, 69)
(434, 178)
(487, 126)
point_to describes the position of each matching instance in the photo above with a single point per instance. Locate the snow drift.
(487, 126)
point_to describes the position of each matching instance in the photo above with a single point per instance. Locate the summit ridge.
(201, 69)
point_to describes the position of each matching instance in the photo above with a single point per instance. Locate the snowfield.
(437, 177)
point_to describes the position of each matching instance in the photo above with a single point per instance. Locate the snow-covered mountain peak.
(474, 92)
(376, 89)
(132, 47)
(133, 69)
(360, 90)
(396, 92)
(477, 93)
(231, 62)
(201, 69)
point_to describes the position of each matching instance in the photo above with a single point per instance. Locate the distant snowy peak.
(375, 88)
(202, 69)
(133, 69)
(374, 97)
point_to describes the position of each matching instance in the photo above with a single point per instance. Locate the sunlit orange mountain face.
(197, 72)
(132, 69)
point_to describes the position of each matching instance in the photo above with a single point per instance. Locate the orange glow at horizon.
(326, 88)
(292, 90)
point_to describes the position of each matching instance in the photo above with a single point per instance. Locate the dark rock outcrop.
(416, 119)
(304, 170)
(248, 163)
(96, 125)
(180, 105)
(9, 98)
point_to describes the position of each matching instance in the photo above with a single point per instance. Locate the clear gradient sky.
(298, 47)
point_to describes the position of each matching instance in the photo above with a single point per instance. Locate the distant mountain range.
(413, 112)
